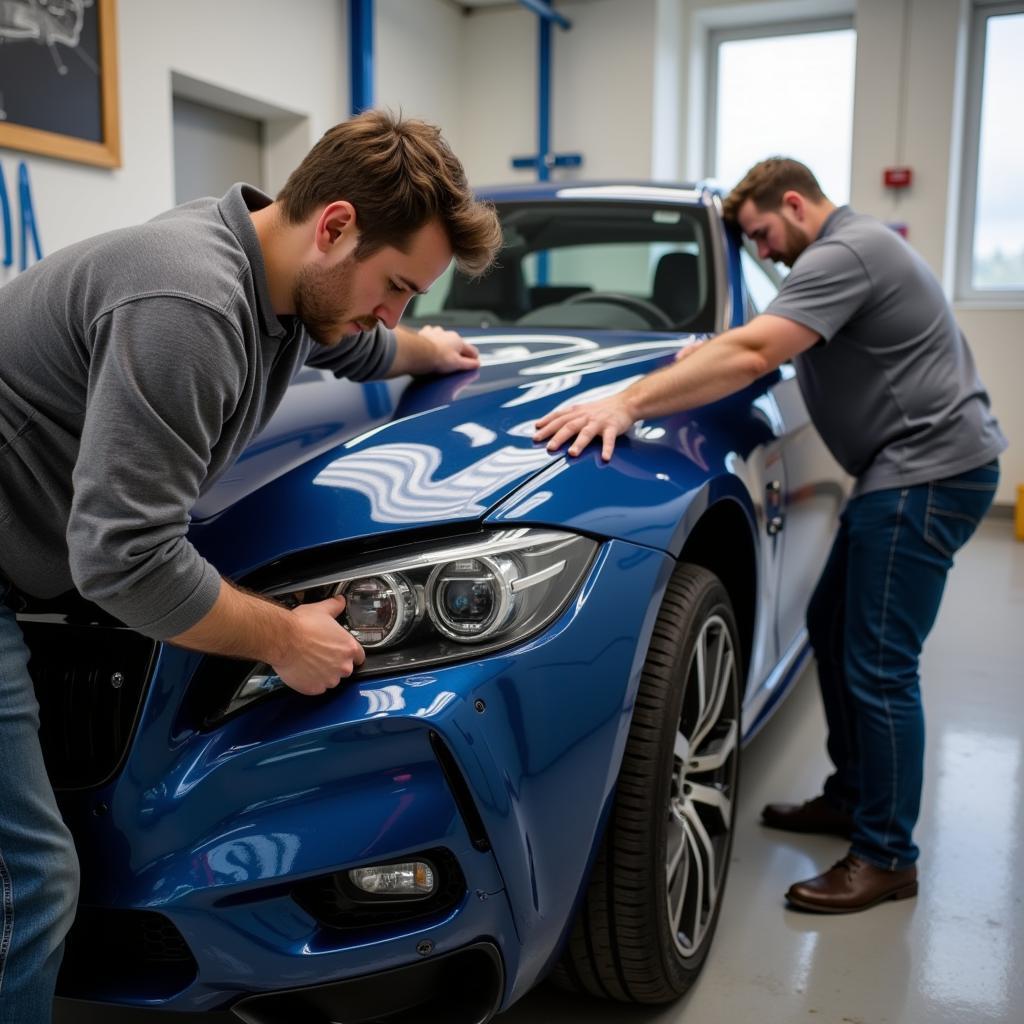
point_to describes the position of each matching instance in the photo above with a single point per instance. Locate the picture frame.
(58, 80)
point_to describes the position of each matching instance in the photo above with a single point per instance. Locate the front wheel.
(649, 914)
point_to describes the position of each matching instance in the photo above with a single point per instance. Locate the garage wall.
(498, 82)
(418, 52)
(293, 66)
(602, 89)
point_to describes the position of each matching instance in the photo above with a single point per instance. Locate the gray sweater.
(134, 369)
(892, 388)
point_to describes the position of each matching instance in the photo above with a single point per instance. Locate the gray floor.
(955, 955)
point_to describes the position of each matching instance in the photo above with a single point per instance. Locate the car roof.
(689, 193)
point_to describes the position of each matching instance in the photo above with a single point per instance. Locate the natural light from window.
(999, 215)
(788, 95)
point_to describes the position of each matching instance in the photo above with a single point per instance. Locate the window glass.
(998, 252)
(789, 95)
(761, 287)
(426, 305)
(602, 265)
(612, 267)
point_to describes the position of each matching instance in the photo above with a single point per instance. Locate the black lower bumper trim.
(464, 987)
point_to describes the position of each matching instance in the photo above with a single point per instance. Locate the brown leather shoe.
(852, 884)
(811, 816)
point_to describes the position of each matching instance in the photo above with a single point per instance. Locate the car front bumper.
(507, 763)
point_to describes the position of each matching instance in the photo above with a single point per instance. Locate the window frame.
(964, 288)
(763, 30)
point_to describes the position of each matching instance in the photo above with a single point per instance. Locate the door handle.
(775, 520)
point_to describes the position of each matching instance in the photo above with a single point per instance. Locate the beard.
(795, 245)
(323, 302)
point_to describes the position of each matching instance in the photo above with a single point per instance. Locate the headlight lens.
(429, 604)
(379, 609)
(472, 598)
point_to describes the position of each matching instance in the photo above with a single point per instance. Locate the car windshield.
(595, 265)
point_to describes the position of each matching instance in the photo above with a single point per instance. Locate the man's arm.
(127, 531)
(431, 350)
(306, 646)
(727, 364)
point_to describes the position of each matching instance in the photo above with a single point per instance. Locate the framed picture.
(58, 79)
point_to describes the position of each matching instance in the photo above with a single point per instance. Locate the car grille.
(89, 681)
(124, 953)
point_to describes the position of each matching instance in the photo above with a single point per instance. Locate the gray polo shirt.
(134, 369)
(892, 386)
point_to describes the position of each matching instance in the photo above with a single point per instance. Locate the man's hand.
(305, 646)
(605, 418)
(431, 350)
(323, 652)
(688, 349)
(454, 353)
(699, 374)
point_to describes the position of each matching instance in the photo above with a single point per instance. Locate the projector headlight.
(379, 610)
(473, 598)
(429, 604)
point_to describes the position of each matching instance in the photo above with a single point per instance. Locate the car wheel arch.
(722, 540)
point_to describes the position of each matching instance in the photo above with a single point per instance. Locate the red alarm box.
(897, 177)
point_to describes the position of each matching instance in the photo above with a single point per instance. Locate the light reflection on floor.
(968, 962)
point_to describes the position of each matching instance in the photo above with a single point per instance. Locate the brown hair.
(399, 174)
(767, 182)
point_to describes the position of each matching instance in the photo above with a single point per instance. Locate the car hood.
(340, 461)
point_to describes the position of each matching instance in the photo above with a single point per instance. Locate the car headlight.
(426, 605)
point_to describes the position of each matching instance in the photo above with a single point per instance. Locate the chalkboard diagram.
(58, 78)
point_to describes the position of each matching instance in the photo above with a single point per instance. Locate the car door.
(803, 502)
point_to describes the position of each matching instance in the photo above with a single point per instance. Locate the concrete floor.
(955, 955)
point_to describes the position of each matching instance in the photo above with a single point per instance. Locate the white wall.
(603, 87)
(498, 83)
(294, 61)
(418, 47)
(602, 90)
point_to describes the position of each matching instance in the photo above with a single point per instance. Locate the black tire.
(670, 801)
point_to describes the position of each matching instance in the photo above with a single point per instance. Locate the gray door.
(213, 149)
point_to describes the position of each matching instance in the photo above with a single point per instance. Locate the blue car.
(534, 773)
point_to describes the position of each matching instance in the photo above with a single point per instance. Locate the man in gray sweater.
(134, 369)
(891, 386)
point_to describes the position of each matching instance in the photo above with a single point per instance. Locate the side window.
(760, 282)
(990, 263)
(759, 75)
(433, 302)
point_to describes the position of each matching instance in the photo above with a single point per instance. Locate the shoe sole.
(903, 893)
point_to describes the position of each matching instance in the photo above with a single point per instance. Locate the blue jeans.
(874, 605)
(38, 865)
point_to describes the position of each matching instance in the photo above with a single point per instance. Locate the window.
(783, 90)
(617, 265)
(991, 256)
(761, 278)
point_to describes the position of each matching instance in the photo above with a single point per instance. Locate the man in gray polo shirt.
(135, 367)
(891, 386)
